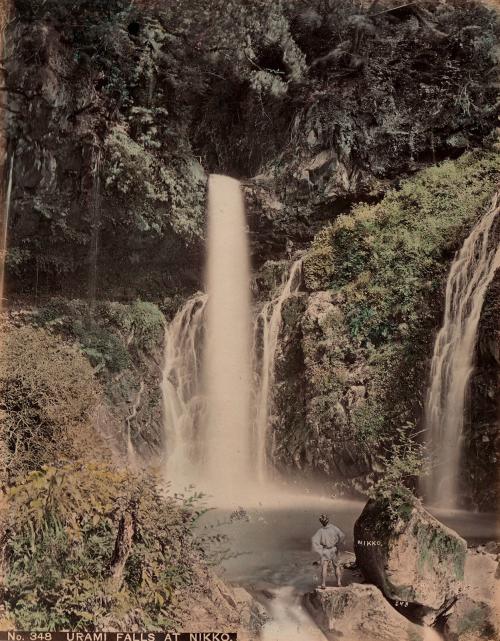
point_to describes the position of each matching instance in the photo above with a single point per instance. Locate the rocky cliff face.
(375, 282)
(116, 112)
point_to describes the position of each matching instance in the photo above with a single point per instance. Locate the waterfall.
(95, 210)
(5, 230)
(213, 437)
(181, 391)
(452, 363)
(270, 321)
(227, 363)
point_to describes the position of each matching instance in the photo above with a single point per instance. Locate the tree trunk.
(123, 547)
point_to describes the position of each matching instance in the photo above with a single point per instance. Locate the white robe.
(326, 541)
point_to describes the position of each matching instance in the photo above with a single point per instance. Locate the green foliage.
(388, 258)
(98, 343)
(102, 348)
(434, 543)
(403, 462)
(48, 395)
(143, 321)
(63, 529)
(109, 334)
(476, 621)
(369, 420)
(146, 184)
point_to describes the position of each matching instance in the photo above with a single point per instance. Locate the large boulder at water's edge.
(359, 613)
(412, 557)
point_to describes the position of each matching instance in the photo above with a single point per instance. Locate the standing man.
(326, 542)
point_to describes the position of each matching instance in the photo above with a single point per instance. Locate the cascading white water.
(227, 361)
(213, 437)
(269, 323)
(95, 212)
(452, 362)
(181, 390)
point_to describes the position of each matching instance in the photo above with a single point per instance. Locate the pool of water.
(269, 552)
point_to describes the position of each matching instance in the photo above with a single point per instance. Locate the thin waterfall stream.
(183, 402)
(269, 321)
(5, 230)
(452, 363)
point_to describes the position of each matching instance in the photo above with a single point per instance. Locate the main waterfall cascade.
(227, 360)
(214, 438)
(452, 363)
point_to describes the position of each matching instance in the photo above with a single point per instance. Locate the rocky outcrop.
(359, 613)
(128, 115)
(413, 558)
(475, 614)
(470, 620)
(212, 604)
(480, 482)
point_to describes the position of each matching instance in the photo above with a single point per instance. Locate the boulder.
(412, 558)
(358, 613)
(470, 620)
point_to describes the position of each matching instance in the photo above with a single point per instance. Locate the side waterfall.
(183, 404)
(452, 362)
(270, 321)
(213, 437)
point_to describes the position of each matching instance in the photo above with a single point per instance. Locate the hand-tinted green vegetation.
(48, 397)
(385, 266)
(90, 547)
(148, 96)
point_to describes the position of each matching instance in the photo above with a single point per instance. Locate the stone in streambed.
(470, 620)
(412, 558)
(359, 613)
(475, 615)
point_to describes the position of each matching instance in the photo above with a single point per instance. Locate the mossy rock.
(412, 558)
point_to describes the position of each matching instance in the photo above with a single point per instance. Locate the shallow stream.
(271, 553)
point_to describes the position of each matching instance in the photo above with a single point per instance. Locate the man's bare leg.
(338, 574)
(324, 572)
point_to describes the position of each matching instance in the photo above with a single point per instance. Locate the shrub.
(403, 462)
(147, 323)
(48, 394)
(108, 333)
(91, 547)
